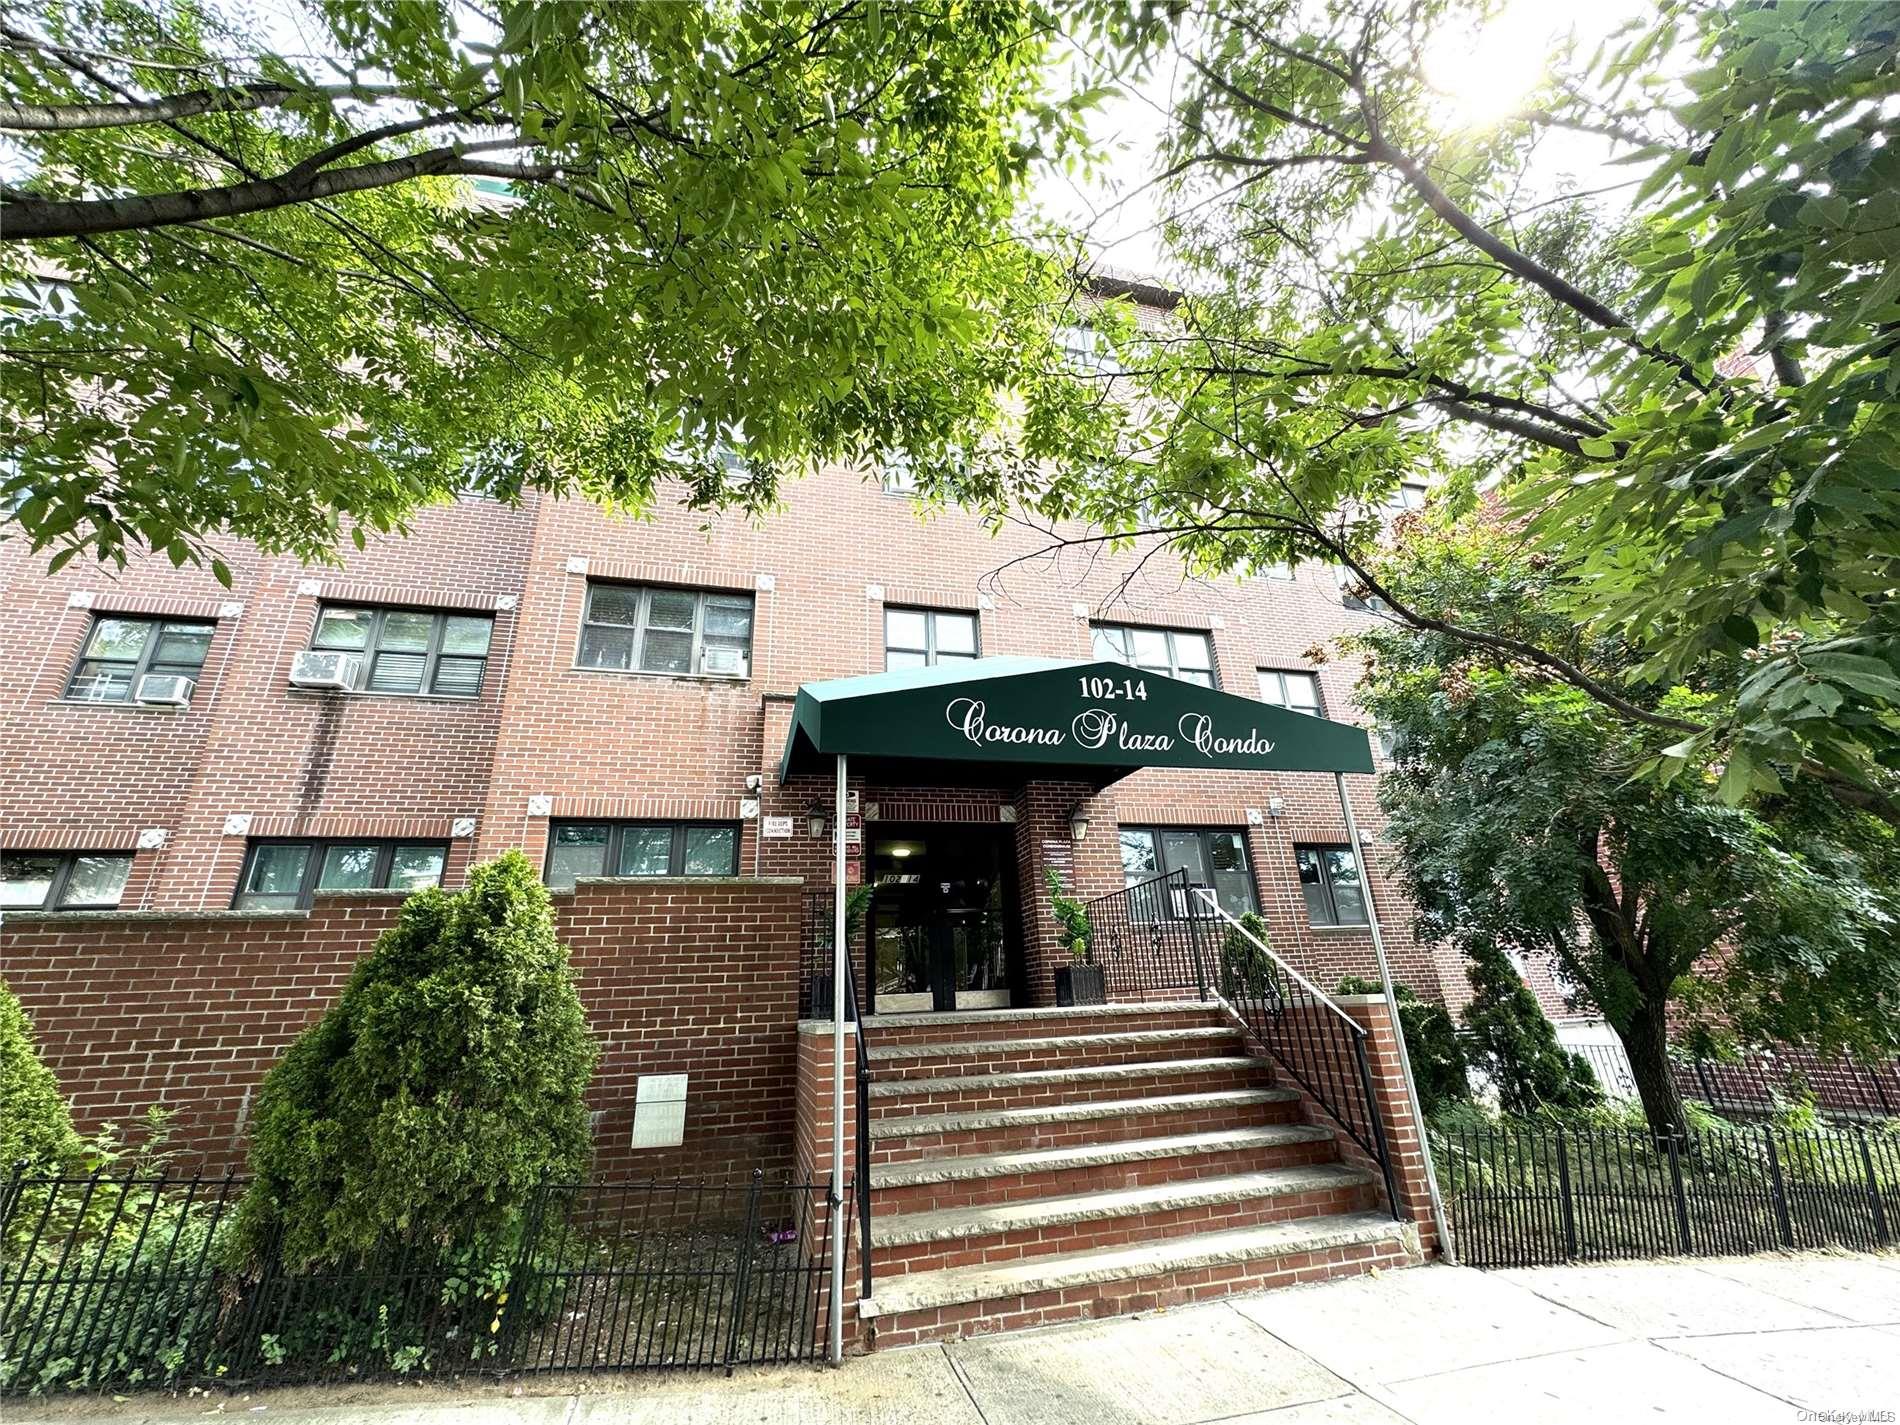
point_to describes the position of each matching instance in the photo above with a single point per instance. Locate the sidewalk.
(1731, 1341)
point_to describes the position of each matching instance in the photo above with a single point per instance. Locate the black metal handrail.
(862, 1136)
(1161, 934)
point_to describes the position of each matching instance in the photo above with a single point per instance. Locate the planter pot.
(1081, 984)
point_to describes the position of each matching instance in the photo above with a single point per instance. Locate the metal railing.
(116, 1282)
(1760, 1081)
(861, 1170)
(1168, 934)
(1530, 1194)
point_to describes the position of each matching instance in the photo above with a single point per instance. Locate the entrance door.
(940, 927)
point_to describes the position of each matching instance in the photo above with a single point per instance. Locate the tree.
(1519, 826)
(586, 248)
(1688, 384)
(438, 1091)
(1515, 1044)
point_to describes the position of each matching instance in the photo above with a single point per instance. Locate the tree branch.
(26, 219)
(19, 117)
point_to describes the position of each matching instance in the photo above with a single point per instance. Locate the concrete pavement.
(1734, 1341)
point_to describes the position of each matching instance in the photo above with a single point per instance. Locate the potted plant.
(1080, 981)
(857, 902)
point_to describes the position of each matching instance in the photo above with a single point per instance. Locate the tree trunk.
(1646, 1041)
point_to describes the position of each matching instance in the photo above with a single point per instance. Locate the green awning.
(1001, 721)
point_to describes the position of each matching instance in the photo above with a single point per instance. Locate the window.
(640, 848)
(1085, 349)
(899, 476)
(409, 650)
(1287, 688)
(638, 628)
(1354, 595)
(918, 638)
(1175, 652)
(63, 880)
(282, 875)
(1409, 496)
(119, 651)
(1329, 878)
(1283, 572)
(1210, 858)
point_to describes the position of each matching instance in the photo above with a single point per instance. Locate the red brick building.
(212, 799)
(545, 733)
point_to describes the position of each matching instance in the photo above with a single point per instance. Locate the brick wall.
(187, 1010)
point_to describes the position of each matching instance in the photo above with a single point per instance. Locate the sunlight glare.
(1484, 72)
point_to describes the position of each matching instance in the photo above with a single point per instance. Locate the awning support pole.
(1445, 1244)
(839, 963)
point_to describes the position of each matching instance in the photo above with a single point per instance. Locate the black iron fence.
(1168, 935)
(1531, 1194)
(1761, 1081)
(118, 1282)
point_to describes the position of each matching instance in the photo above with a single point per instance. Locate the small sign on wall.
(659, 1110)
(854, 870)
(776, 828)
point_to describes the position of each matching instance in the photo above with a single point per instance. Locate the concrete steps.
(1136, 1276)
(972, 1092)
(1053, 1051)
(1045, 1226)
(1040, 1165)
(1051, 1125)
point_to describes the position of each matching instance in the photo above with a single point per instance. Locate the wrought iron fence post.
(1782, 1218)
(1873, 1186)
(743, 1278)
(12, 1194)
(1682, 1198)
(1563, 1190)
(1702, 1077)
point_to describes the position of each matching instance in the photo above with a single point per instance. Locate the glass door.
(937, 931)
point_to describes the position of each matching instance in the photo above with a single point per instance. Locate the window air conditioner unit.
(172, 690)
(314, 669)
(723, 660)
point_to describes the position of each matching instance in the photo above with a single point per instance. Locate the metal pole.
(1445, 1242)
(838, 968)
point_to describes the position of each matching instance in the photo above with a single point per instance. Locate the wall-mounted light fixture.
(1078, 824)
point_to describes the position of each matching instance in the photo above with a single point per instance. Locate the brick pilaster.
(1404, 1134)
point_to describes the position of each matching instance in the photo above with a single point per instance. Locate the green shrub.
(443, 1085)
(35, 1125)
(1515, 1045)
(1431, 1045)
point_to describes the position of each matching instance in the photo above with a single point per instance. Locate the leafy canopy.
(578, 248)
(442, 1086)
(1520, 827)
(1689, 383)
